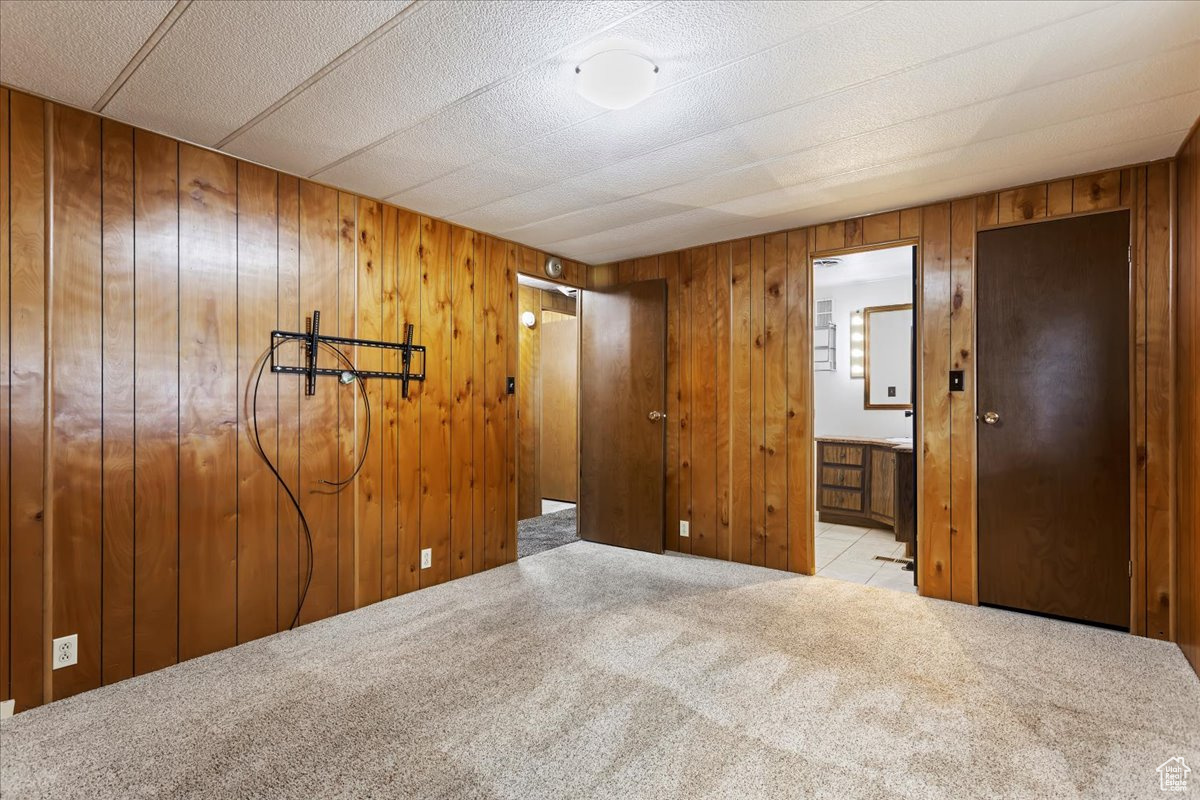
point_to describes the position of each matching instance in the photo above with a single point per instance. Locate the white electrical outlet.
(427, 558)
(66, 651)
(6, 708)
(683, 528)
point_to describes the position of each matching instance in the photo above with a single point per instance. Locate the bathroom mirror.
(887, 355)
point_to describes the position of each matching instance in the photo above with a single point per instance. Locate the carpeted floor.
(539, 534)
(589, 671)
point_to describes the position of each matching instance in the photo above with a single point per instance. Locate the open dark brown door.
(1053, 430)
(622, 395)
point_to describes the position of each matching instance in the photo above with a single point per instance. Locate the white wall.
(839, 400)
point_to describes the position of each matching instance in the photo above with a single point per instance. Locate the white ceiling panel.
(688, 39)
(442, 52)
(881, 40)
(73, 51)
(766, 114)
(253, 54)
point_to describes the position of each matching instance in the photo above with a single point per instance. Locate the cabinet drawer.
(842, 454)
(842, 476)
(841, 499)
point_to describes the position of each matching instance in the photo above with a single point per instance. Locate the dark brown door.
(1053, 429)
(622, 395)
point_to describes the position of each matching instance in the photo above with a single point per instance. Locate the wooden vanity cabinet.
(857, 483)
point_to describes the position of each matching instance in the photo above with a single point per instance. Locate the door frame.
(918, 408)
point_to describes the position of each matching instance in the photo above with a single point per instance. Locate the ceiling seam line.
(347, 54)
(483, 90)
(844, 139)
(805, 101)
(160, 32)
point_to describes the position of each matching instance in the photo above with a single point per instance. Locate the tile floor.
(848, 553)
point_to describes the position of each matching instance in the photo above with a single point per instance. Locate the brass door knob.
(655, 416)
(990, 417)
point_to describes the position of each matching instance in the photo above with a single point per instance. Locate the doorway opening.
(864, 395)
(547, 416)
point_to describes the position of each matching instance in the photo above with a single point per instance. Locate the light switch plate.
(683, 528)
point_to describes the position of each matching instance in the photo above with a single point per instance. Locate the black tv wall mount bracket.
(311, 340)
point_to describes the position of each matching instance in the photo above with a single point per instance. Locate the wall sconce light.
(857, 345)
(528, 319)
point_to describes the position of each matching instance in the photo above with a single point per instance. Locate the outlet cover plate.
(684, 528)
(66, 651)
(427, 558)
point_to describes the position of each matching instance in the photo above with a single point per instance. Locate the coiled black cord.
(266, 359)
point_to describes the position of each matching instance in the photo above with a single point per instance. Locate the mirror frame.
(867, 404)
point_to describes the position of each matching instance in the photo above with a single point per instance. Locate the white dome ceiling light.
(615, 79)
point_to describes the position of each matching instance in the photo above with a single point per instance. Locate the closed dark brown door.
(1053, 428)
(622, 396)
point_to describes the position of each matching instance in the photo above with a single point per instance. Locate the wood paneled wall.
(139, 281)
(1187, 394)
(739, 375)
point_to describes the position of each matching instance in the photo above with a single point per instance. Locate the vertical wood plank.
(27, 305)
(5, 403)
(408, 287)
(854, 232)
(76, 380)
(207, 402)
(462, 364)
(436, 261)
(910, 223)
(389, 432)
(319, 414)
(876, 229)
(349, 403)
(831, 236)
(933, 507)
(495, 410)
(775, 397)
(1060, 196)
(156, 392)
(116, 648)
(987, 210)
(291, 539)
(739, 413)
(1159, 457)
(758, 384)
(1137, 387)
(669, 270)
(962, 404)
(479, 398)
(510, 325)
(800, 482)
(686, 311)
(257, 254)
(721, 368)
(704, 401)
(1096, 192)
(369, 483)
(1026, 203)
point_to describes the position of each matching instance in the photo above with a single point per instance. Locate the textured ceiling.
(767, 114)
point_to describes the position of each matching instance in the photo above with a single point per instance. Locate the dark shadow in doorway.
(538, 534)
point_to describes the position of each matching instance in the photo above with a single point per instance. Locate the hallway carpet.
(539, 534)
(589, 671)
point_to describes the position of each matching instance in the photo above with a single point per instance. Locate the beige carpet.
(588, 671)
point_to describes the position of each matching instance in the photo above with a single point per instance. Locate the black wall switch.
(512, 385)
(956, 380)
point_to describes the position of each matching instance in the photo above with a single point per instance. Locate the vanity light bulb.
(856, 320)
(857, 352)
(856, 337)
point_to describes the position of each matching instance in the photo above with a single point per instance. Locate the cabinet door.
(883, 484)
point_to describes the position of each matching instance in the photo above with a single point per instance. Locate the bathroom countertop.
(878, 441)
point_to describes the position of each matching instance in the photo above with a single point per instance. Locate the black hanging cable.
(267, 358)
